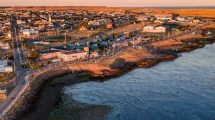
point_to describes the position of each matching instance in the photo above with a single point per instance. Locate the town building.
(63, 55)
(4, 46)
(148, 29)
(73, 55)
(28, 32)
(180, 19)
(153, 29)
(20, 22)
(9, 34)
(160, 29)
(49, 54)
(82, 28)
(158, 21)
(94, 54)
(4, 67)
(3, 94)
(163, 16)
(87, 48)
(195, 20)
(109, 25)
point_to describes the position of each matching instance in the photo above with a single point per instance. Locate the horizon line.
(107, 6)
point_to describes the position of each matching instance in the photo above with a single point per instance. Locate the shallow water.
(180, 89)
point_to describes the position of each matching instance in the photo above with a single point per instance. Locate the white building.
(4, 66)
(148, 28)
(99, 22)
(20, 22)
(9, 34)
(4, 46)
(94, 54)
(7, 24)
(180, 19)
(71, 56)
(142, 18)
(163, 16)
(158, 21)
(195, 20)
(160, 29)
(153, 29)
(94, 23)
(28, 32)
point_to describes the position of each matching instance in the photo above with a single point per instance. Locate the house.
(41, 27)
(153, 29)
(87, 48)
(158, 21)
(28, 32)
(4, 46)
(94, 54)
(160, 29)
(20, 22)
(103, 43)
(163, 16)
(94, 46)
(6, 27)
(3, 94)
(95, 23)
(109, 25)
(195, 20)
(180, 19)
(82, 28)
(173, 21)
(9, 34)
(73, 55)
(148, 29)
(136, 41)
(4, 67)
(142, 18)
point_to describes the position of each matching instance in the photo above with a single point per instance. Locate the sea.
(181, 89)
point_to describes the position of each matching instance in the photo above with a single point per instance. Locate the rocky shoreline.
(45, 92)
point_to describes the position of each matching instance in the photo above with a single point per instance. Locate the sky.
(110, 3)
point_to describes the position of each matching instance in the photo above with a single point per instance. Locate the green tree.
(83, 24)
(115, 35)
(35, 65)
(33, 54)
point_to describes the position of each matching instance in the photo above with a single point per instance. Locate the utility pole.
(14, 81)
(65, 37)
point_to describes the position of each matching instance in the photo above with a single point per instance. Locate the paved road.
(19, 57)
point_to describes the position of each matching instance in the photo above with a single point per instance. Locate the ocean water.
(182, 89)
